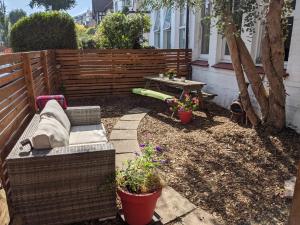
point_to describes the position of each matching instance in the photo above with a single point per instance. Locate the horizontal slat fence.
(89, 73)
(23, 76)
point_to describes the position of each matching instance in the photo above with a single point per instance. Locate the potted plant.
(185, 107)
(171, 74)
(139, 186)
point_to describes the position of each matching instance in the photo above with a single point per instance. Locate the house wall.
(223, 82)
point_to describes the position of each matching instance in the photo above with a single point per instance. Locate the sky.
(81, 6)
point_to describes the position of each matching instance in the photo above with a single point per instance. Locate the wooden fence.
(23, 76)
(89, 73)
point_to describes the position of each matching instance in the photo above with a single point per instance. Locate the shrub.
(46, 30)
(85, 37)
(118, 30)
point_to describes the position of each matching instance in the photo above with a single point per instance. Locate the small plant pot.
(138, 209)
(185, 117)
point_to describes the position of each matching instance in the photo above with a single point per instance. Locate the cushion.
(150, 93)
(42, 100)
(50, 134)
(87, 134)
(54, 110)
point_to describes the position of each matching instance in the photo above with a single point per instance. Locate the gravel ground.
(232, 171)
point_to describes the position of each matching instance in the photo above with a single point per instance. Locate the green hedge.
(46, 30)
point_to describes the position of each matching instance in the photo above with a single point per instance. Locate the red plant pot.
(185, 117)
(138, 209)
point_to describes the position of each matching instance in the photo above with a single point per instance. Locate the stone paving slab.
(138, 110)
(133, 117)
(127, 125)
(201, 217)
(172, 205)
(126, 146)
(122, 158)
(123, 135)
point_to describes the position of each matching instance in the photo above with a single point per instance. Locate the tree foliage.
(85, 37)
(53, 4)
(45, 30)
(119, 30)
(15, 15)
(4, 24)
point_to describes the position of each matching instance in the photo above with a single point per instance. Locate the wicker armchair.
(67, 184)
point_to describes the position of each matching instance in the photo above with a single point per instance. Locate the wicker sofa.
(65, 184)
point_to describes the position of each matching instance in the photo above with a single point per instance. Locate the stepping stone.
(122, 158)
(126, 146)
(138, 110)
(289, 187)
(201, 217)
(133, 117)
(123, 135)
(172, 205)
(127, 125)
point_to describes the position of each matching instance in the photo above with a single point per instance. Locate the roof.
(102, 5)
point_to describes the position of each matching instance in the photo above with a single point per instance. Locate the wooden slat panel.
(114, 71)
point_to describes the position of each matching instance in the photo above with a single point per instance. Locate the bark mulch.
(232, 171)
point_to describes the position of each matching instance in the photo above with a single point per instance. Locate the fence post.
(29, 80)
(44, 62)
(294, 218)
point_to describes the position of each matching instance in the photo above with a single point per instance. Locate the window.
(116, 6)
(205, 29)
(289, 32)
(182, 27)
(167, 29)
(238, 18)
(156, 30)
(287, 42)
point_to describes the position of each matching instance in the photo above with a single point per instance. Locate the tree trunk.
(273, 63)
(236, 62)
(255, 80)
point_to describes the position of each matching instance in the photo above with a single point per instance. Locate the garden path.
(171, 207)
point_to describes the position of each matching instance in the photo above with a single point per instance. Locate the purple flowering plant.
(187, 104)
(140, 175)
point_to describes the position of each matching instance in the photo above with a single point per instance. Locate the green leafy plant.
(119, 30)
(46, 30)
(185, 105)
(53, 4)
(85, 37)
(16, 15)
(171, 74)
(140, 174)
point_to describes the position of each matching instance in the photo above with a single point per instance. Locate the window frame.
(157, 32)
(182, 27)
(167, 31)
(259, 37)
(204, 56)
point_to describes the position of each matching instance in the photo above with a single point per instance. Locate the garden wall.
(23, 76)
(91, 73)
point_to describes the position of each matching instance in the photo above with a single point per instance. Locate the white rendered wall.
(293, 81)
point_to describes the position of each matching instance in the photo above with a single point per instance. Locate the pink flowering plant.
(141, 175)
(187, 104)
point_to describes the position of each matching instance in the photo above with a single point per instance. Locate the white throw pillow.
(50, 134)
(54, 110)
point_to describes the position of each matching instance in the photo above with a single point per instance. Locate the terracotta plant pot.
(138, 209)
(185, 117)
